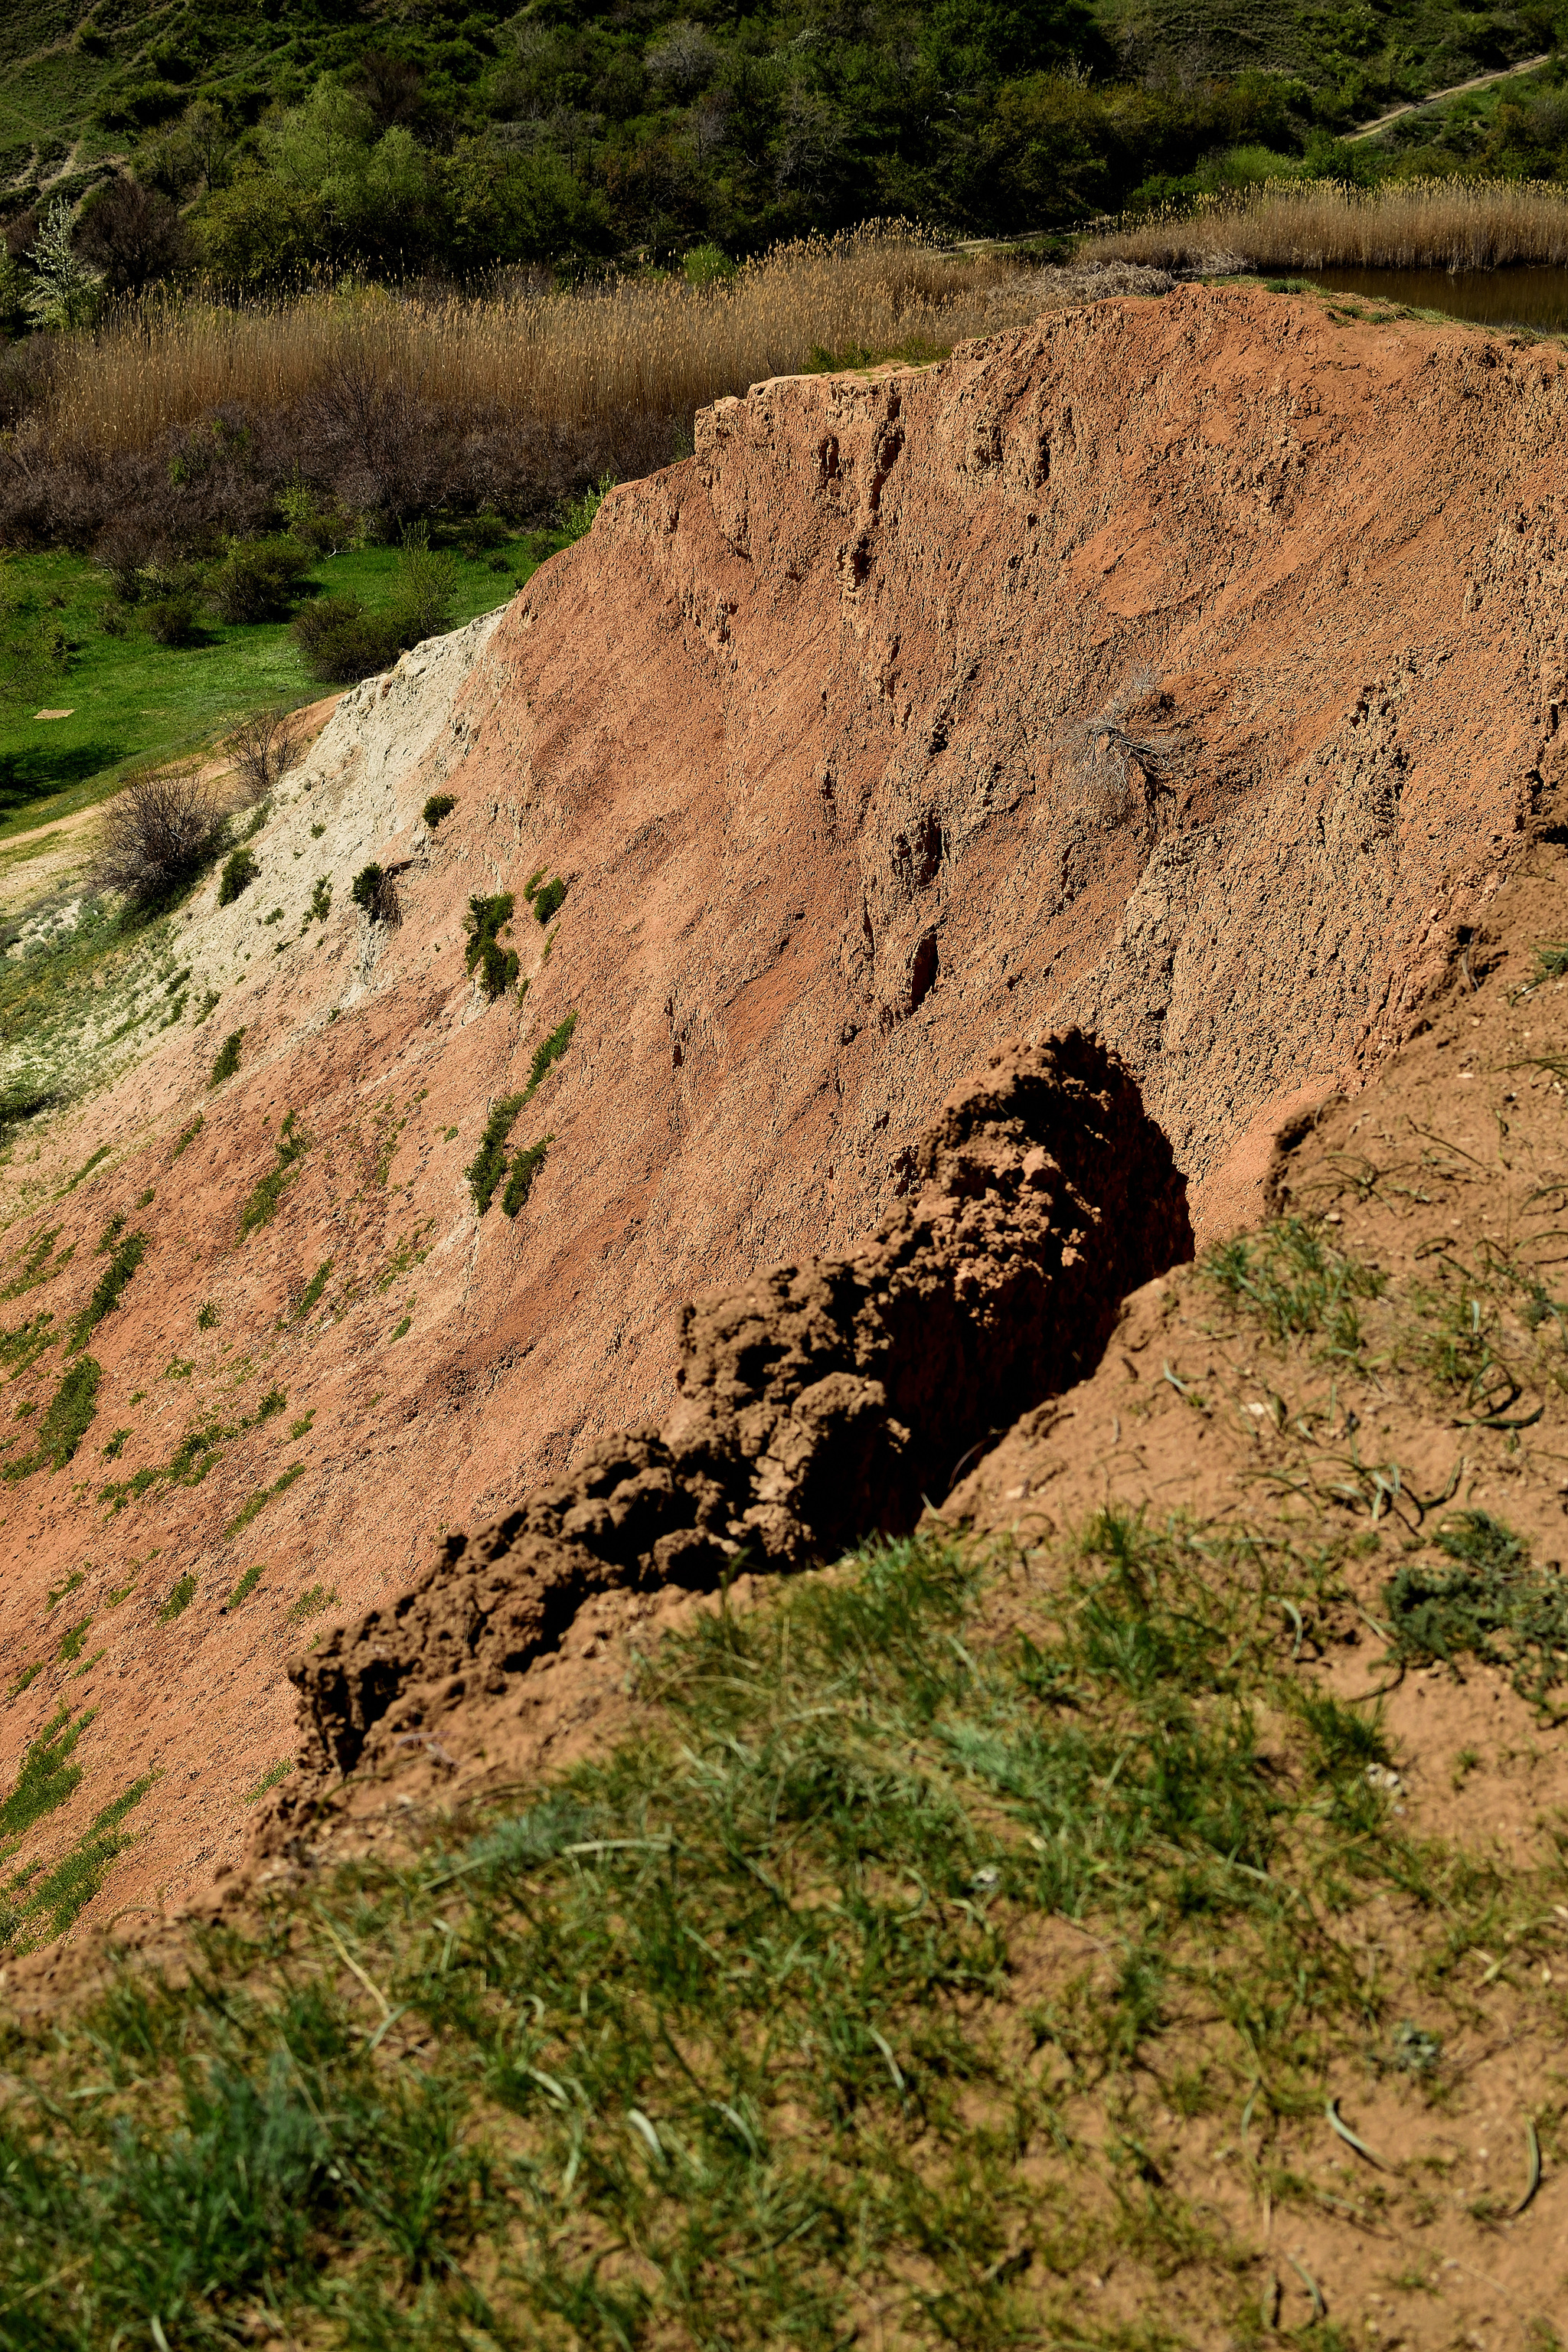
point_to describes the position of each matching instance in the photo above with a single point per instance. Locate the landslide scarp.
(1183, 669)
(817, 1404)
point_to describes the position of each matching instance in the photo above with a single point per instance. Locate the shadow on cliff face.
(818, 1403)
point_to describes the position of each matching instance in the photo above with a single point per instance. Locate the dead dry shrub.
(158, 834)
(1129, 757)
(263, 748)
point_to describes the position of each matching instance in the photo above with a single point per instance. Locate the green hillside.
(455, 134)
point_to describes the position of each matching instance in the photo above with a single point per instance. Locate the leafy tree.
(64, 293)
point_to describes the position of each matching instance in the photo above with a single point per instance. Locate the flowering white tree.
(64, 293)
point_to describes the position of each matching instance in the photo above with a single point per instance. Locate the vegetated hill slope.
(1186, 668)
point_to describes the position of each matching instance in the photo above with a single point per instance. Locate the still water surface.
(1496, 298)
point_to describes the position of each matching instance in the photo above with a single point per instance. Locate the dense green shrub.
(375, 890)
(240, 869)
(259, 580)
(487, 1167)
(438, 805)
(342, 642)
(172, 620)
(487, 918)
(227, 1058)
(549, 900)
(524, 1168)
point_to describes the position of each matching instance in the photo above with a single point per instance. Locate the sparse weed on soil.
(853, 1977)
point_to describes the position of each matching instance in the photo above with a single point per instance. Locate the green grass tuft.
(64, 1424)
(240, 870)
(109, 1289)
(549, 1053)
(313, 1290)
(262, 1205)
(259, 1500)
(1293, 1280)
(269, 1779)
(245, 1587)
(1491, 1606)
(180, 1598)
(48, 1778)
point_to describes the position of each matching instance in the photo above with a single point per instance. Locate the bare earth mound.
(1186, 669)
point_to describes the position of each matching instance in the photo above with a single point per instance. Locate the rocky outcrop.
(818, 1402)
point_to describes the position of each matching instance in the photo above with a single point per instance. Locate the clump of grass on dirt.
(64, 1424)
(1490, 1605)
(240, 870)
(128, 1253)
(548, 1054)
(262, 1205)
(857, 1979)
(226, 1061)
(1296, 1282)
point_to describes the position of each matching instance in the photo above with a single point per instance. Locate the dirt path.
(1480, 81)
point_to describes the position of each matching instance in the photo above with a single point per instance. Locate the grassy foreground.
(130, 700)
(851, 1997)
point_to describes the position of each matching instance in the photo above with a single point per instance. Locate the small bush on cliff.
(485, 1171)
(438, 805)
(375, 890)
(342, 642)
(486, 920)
(549, 900)
(239, 872)
(158, 834)
(227, 1060)
(524, 1168)
(550, 1052)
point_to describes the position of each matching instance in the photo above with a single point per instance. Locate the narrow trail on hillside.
(1456, 89)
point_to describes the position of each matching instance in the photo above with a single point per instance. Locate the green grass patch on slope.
(132, 701)
(856, 1980)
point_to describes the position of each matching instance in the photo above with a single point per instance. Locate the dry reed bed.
(560, 359)
(1415, 225)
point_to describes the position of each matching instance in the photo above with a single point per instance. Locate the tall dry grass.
(558, 358)
(1318, 224)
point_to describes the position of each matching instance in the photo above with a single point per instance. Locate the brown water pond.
(1493, 298)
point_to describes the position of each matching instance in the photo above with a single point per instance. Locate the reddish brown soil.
(1188, 668)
